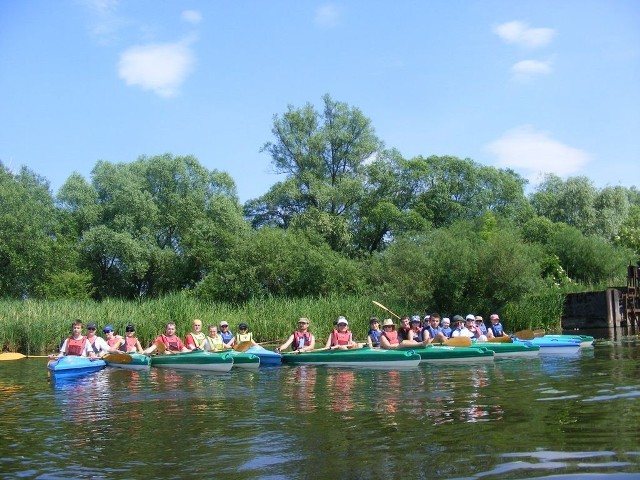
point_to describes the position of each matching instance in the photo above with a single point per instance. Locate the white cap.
(224, 323)
(471, 316)
(341, 319)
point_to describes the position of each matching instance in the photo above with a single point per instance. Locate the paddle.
(18, 356)
(458, 342)
(378, 304)
(539, 333)
(242, 346)
(524, 335)
(500, 340)
(118, 358)
(160, 347)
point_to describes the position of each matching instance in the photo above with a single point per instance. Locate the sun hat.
(92, 326)
(107, 329)
(458, 318)
(224, 323)
(388, 323)
(303, 320)
(479, 318)
(415, 319)
(471, 316)
(373, 320)
(342, 320)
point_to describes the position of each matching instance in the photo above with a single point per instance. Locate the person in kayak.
(373, 338)
(405, 328)
(480, 324)
(389, 338)
(114, 341)
(213, 342)
(301, 340)
(446, 327)
(341, 337)
(460, 330)
(435, 330)
(418, 336)
(227, 335)
(73, 345)
(244, 335)
(496, 329)
(476, 333)
(195, 339)
(171, 342)
(131, 343)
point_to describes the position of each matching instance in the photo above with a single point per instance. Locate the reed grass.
(37, 327)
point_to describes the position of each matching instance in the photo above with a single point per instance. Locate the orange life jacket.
(306, 337)
(173, 344)
(392, 336)
(340, 338)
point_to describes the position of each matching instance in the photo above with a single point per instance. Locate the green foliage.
(67, 285)
(542, 309)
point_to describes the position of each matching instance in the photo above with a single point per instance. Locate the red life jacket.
(299, 335)
(341, 338)
(75, 347)
(172, 344)
(392, 336)
(129, 343)
(113, 340)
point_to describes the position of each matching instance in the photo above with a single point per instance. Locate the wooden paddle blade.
(458, 342)
(118, 358)
(161, 347)
(242, 346)
(378, 304)
(538, 333)
(11, 356)
(500, 340)
(524, 335)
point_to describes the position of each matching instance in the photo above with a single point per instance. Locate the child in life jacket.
(341, 337)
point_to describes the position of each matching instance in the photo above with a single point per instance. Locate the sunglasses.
(90, 328)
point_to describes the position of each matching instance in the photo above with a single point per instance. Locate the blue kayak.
(73, 365)
(553, 345)
(267, 357)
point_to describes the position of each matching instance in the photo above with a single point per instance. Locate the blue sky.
(533, 85)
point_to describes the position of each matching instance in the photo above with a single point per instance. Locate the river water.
(549, 417)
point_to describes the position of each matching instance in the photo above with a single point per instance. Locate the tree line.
(350, 217)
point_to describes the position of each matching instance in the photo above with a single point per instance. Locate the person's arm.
(181, 347)
(369, 341)
(286, 344)
(139, 348)
(190, 342)
(384, 343)
(328, 344)
(312, 344)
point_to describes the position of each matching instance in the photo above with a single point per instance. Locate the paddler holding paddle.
(301, 340)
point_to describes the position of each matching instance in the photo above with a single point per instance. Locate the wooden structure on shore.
(614, 308)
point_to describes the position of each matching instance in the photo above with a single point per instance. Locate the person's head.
(213, 330)
(470, 321)
(342, 323)
(388, 325)
(374, 323)
(130, 330)
(479, 320)
(458, 321)
(171, 328)
(224, 326)
(91, 328)
(108, 331)
(434, 319)
(76, 327)
(494, 318)
(243, 327)
(415, 322)
(405, 321)
(196, 325)
(446, 322)
(303, 323)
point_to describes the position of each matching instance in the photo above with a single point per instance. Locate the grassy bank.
(37, 327)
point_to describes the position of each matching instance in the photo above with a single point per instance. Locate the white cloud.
(192, 16)
(526, 69)
(160, 67)
(536, 153)
(328, 15)
(521, 34)
(105, 22)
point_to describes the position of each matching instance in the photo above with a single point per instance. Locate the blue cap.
(107, 329)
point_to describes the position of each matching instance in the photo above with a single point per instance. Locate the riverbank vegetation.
(163, 238)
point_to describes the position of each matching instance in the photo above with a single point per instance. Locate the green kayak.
(245, 360)
(128, 361)
(196, 360)
(360, 357)
(447, 354)
(510, 349)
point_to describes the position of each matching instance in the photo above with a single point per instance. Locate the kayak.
(553, 346)
(510, 349)
(585, 340)
(196, 360)
(447, 354)
(72, 365)
(267, 357)
(359, 357)
(245, 360)
(128, 361)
